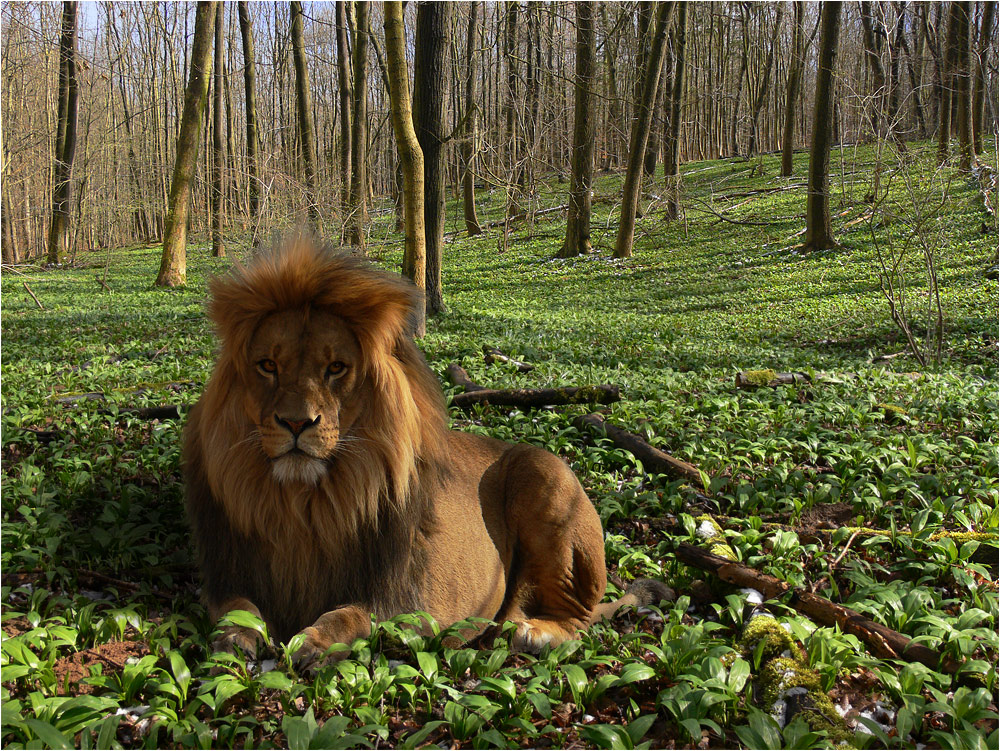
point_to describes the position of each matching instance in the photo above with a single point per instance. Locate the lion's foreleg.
(236, 638)
(340, 626)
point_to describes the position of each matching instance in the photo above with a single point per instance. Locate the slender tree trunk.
(511, 103)
(578, 224)
(304, 106)
(173, 264)
(979, 88)
(411, 158)
(792, 90)
(640, 131)
(948, 82)
(614, 135)
(218, 144)
(250, 84)
(963, 86)
(672, 164)
(914, 66)
(819, 230)
(346, 94)
(359, 133)
(765, 84)
(59, 234)
(873, 54)
(430, 92)
(470, 142)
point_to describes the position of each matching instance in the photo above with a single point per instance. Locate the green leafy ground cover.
(105, 644)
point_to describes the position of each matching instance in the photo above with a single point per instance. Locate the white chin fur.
(298, 468)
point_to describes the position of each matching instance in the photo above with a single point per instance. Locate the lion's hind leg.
(558, 574)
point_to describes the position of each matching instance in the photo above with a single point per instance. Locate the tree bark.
(250, 85)
(411, 158)
(792, 90)
(979, 87)
(430, 92)
(963, 86)
(949, 80)
(819, 231)
(578, 222)
(359, 131)
(346, 94)
(640, 131)
(765, 84)
(873, 54)
(469, 143)
(173, 263)
(59, 234)
(218, 143)
(672, 164)
(511, 140)
(304, 107)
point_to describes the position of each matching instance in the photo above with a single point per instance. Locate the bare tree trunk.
(765, 84)
(873, 54)
(672, 164)
(578, 224)
(948, 80)
(218, 145)
(59, 234)
(511, 139)
(963, 86)
(979, 87)
(303, 101)
(346, 94)
(640, 131)
(411, 158)
(819, 230)
(792, 90)
(359, 133)
(469, 144)
(250, 84)
(430, 91)
(173, 264)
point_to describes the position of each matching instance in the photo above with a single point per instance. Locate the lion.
(323, 485)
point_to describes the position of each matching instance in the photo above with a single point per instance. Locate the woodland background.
(762, 236)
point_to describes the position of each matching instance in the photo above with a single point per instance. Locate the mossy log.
(882, 641)
(752, 379)
(525, 398)
(653, 460)
(492, 355)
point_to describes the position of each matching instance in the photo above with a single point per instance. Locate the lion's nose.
(295, 427)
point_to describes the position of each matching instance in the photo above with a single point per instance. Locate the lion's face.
(303, 378)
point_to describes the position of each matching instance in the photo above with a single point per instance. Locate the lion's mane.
(299, 550)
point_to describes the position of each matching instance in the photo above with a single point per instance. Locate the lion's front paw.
(312, 655)
(239, 640)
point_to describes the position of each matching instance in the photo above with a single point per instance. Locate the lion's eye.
(267, 366)
(336, 369)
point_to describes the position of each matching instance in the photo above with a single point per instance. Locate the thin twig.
(40, 306)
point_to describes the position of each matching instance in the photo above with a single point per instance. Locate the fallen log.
(492, 355)
(535, 398)
(653, 460)
(458, 376)
(882, 641)
(751, 379)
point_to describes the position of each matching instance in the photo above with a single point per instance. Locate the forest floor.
(866, 484)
